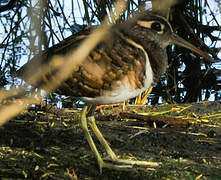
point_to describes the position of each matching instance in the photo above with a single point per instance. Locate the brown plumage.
(124, 64)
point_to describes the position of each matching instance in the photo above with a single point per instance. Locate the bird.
(132, 58)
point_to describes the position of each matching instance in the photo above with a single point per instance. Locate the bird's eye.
(156, 26)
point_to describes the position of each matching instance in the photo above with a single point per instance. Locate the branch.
(162, 119)
(8, 6)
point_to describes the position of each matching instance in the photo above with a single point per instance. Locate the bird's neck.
(158, 59)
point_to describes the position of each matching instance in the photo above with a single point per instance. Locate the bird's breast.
(130, 85)
(126, 88)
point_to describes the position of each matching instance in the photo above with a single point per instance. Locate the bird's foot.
(137, 162)
(125, 164)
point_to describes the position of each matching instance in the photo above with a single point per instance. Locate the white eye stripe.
(148, 24)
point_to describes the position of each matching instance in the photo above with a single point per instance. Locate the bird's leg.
(101, 163)
(88, 136)
(92, 123)
(110, 152)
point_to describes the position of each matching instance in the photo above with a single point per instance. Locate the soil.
(39, 144)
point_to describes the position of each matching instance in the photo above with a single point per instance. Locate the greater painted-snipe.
(132, 57)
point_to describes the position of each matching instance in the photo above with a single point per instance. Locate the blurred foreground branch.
(65, 69)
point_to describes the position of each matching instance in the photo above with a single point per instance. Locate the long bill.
(181, 42)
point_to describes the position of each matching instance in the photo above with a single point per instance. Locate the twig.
(160, 119)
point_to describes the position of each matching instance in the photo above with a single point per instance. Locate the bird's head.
(148, 27)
